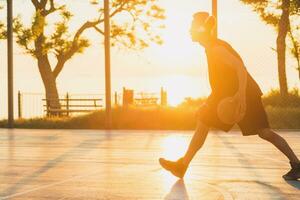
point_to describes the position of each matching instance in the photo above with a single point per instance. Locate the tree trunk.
(49, 82)
(296, 49)
(283, 28)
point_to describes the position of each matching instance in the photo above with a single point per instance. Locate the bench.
(147, 101)
(69, 105)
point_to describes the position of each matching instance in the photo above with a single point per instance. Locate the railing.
(69, 105)
(31, 105)
(144, 99)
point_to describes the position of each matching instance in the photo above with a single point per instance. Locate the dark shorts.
(254, 120)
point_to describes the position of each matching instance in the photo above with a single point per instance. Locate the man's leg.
(283, 146)
(196, 143)
(179, 167)
(279, 142)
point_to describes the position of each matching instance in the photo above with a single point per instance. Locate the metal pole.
(107, 64)
(116, 99)
(19, 105)
(68, 104)
(10, 63)
(215, 14)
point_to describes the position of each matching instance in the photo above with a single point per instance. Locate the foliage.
(274, 99)
(294, 34)
(64, 45)
(36, 40)
(2, 28)
(270, 13)
(284, 117)
(269, 10)
(141, 26)
(190, 102)
(152, 119)
(59, 42)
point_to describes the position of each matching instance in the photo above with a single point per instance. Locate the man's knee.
(266, 134)
(202, 127)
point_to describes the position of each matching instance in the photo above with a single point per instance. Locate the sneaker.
(177, 168)
(294, 173)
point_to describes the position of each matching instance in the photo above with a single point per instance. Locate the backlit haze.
(178, 65)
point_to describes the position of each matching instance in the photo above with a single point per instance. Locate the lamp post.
(108, 118)
(215, 14)
(10, 63)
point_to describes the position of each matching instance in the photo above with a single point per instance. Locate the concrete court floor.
(94, 164)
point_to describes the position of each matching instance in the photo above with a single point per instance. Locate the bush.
(282, 113)
(273, 98)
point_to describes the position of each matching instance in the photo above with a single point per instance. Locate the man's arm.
(233, 62)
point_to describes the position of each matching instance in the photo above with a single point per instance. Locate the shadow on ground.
(178, 191)
(295, 184)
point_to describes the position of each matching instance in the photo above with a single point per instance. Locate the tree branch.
(43, 3)
(59, 66)
(118, 9)
(50, 10)
(85, 26)
(295, 50)
(36, 3)
(98, 30)
(62, 57)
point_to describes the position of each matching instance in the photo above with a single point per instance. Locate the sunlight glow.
(179, 65)
(173, 147)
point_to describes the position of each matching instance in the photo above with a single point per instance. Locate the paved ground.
(47, 164)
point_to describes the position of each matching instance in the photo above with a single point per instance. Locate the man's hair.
(201, 17)
(204, 20)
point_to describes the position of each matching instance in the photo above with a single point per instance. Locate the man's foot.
(294, 173)
(176, 168)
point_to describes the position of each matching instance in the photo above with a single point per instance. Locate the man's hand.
(238, 65)
(240, 99)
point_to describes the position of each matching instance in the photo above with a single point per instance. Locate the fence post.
(19, 104)
(163, 97)
(67, 103)
(128, 97)
(116, 99)
(48, 106)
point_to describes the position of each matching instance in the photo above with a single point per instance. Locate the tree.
(2, 28)
(277, 14)
(294, 34)
(135, 33)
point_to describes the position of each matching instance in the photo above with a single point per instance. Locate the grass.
(154, 119)
(131, 118)
(282, 113)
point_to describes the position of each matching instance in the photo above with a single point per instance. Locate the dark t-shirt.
(223, 78)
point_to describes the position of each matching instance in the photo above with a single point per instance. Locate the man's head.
(202, 28)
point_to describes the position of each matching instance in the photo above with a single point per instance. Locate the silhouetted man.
(229, 79)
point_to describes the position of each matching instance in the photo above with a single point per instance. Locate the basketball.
(227, 110)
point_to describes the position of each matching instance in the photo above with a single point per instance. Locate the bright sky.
(178, 65)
